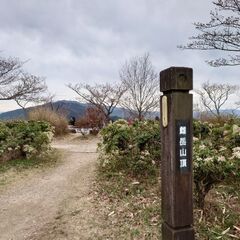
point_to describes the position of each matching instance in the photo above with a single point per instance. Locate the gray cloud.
(88, 41)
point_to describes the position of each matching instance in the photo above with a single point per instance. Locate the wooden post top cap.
(176, 78)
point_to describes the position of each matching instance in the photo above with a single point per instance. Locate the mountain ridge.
(77, 109)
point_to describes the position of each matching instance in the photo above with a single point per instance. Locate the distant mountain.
(77, 109)
(15, 114)
(69, 108)
(232, 112)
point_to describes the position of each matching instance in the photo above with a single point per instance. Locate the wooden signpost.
(176, 167)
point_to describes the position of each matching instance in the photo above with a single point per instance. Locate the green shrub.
(134, 149)
(216, 155)
(25, 139)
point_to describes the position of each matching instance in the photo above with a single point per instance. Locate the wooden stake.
(176, 167)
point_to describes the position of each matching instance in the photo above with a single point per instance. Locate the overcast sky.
(87, 41)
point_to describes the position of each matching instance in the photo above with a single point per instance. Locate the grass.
(10, 169)
(222, 214)
(131, 209)
(22, 164)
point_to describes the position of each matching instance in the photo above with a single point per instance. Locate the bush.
(134, 149)
(93, 119)
(57, 120)
(216, 155)
(24, 139)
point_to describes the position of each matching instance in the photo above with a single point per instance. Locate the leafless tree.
(222, 33)
(214, 96)
(33, 91)
(104, 97)
(17, 85)
(48, 101)
(9, 69)
(142, 86)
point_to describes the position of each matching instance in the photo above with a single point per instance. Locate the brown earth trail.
(56, 203)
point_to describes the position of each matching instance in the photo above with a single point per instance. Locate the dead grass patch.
(130, 208)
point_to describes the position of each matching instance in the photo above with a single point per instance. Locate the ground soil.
(57, 203)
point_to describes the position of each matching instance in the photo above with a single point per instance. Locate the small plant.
(216, 156)
(24, 139)
(132, 148)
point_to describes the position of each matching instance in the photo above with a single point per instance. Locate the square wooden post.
(176, 167)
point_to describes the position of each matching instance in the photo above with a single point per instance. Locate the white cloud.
(88, 41)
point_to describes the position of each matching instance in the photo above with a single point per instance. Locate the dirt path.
(53, 204)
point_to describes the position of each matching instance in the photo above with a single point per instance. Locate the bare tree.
(222, 33)
(10, 69)
(104, 97)
(17, 85)
(142, 86)
(214, 96)
(48, 101)
(33, 91)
